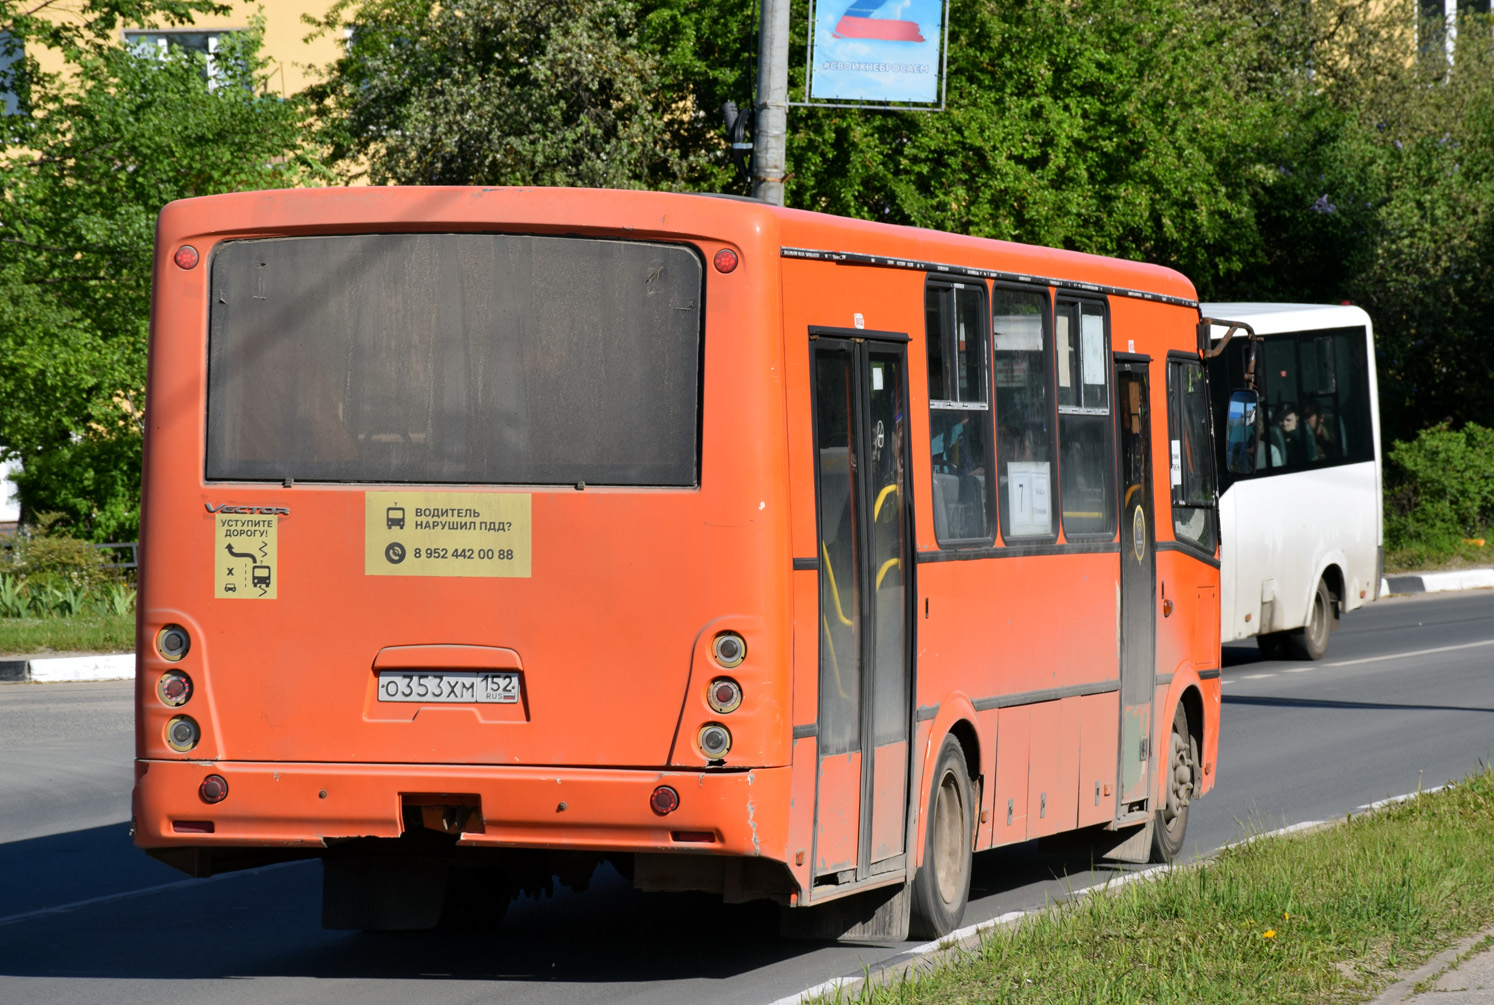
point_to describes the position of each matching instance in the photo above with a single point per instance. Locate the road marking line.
(1299, 670)
(42, 912)
(1418, 652)
(1257, 676)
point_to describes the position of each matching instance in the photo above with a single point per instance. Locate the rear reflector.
(192, 826)
(694, 837)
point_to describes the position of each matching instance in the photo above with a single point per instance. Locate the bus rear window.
(462, 358)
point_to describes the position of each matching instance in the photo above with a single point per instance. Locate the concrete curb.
(53, 669)
(1448, 961)
(1437, 582)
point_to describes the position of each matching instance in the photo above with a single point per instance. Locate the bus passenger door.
(860, 409)
(1138, 586)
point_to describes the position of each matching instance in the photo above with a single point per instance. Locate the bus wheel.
(942, 884)
(1311, 641)
(1179, 785)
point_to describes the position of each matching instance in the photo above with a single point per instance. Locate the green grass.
(93, 634)
(1334, 916)
(1423, 557)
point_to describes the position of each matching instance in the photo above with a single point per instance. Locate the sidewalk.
(1436, 582)
(67, 667)
(1462, 975)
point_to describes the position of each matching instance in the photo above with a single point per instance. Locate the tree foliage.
(500, 92)
(84, 175)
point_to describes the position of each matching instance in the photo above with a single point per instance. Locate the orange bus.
(492, 534)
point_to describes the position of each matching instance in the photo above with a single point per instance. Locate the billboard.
(877, 52)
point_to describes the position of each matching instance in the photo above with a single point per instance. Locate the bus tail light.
(664, 801)
(726, 261)
(185, 257)
(214, 789)
(714, 740)
(172, 642)
(174, 688)
(725, 695)
(729, 649)
(182, 733)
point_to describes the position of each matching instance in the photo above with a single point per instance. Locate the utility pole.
(770, 125)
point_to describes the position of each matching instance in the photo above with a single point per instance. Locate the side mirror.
(1241, 432)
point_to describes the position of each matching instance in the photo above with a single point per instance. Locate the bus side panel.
(1190, 634)
(986, 725)
(1014, 727)
(839, 816)
(1008, 626)
(801, 811)
(1099, 721)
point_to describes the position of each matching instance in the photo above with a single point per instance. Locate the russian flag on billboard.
(877, 50)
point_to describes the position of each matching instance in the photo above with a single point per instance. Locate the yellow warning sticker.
(446, 534)
(245, 562)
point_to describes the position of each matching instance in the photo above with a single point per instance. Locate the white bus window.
(1191, 459)
(959, 413)
(1085, 463)
(1020, 332)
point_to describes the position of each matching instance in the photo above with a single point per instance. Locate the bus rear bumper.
(291, 805)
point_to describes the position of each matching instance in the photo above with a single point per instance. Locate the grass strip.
(37, 636)
(1327, 916)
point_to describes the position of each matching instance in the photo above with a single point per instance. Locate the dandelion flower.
(1269, 933)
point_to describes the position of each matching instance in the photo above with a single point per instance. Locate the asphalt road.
(1401, 701)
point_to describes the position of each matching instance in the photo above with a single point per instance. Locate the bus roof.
(1272, 319)
(646, 215)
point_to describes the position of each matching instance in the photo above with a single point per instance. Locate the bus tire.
(1178, 787)
(1310, 642)
(941, 886)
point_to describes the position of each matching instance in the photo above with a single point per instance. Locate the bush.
(1439, 490)
(45, 573)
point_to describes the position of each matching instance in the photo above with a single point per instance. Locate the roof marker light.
(185, 257)
(726, 261)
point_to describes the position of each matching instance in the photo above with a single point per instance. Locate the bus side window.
(959, 413)
(1192, 462)
(1085, 465)
(1020, 330)
(1352, 395)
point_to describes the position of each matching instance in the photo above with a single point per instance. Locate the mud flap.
(874, 916)
(1130, 845)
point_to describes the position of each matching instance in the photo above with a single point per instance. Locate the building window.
(12, 66)
(959, 412)
(205, 43)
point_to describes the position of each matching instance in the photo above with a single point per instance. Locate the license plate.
(449, 687)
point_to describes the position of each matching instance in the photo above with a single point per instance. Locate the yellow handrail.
(834, 590)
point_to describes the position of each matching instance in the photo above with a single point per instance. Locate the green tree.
(84, 175)
(520, 92)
